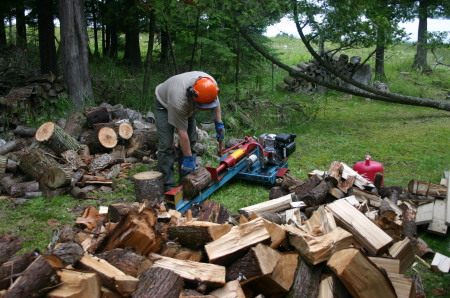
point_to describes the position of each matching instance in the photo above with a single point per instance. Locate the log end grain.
(45, 131)
(107, 137)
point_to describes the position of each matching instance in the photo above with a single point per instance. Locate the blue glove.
(220, 130)
(188, 165)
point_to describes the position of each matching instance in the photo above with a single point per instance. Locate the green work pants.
(166, 152)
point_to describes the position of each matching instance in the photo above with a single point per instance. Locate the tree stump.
(159, 282)
(149, 185)
(56, 138)
(195, 182)
(36, 162)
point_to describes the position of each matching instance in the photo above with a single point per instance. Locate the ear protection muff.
(191, 92)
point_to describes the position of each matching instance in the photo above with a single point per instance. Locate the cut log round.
(56, 138)
(159, 282)
(107, 137)
(149, 185)
(56, 177)
(195, 182)
(125, 130)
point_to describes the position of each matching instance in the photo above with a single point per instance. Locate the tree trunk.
(420, 59)
(132, 55)
(149, 60)
(2, 32)
(191, 65)
(21, 29)
(379, 56)
(94, 22)
(47, 49)
(75, 51)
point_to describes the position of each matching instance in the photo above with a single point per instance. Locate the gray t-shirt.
(172, 95)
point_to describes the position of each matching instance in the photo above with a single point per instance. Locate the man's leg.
(192, 134)
(166, 153)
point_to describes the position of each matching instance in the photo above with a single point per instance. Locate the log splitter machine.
(261, 160)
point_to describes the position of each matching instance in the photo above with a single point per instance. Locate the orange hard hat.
(205, 93)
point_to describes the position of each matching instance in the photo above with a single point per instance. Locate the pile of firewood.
(348, 67)
(334, 232)
(77, 155)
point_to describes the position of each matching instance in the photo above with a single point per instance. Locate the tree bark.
(75, 51)
(149, 59)
(420, 59)
(21, 29)
(159, 282)
(132, 55)
(47, 48)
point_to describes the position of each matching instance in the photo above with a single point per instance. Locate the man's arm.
(184, 142)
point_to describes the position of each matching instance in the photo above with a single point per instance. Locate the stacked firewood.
(26, 100)
(334, 232)
(343, 64)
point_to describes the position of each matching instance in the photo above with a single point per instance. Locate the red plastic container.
(368, 168)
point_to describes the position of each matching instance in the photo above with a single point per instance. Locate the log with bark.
(195, 182)
(159, 282)
(56, 138)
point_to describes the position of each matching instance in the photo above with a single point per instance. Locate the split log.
(75, 124)
(65, 254)
(72, 160)
(359, 275)
(320, 248)
(12, 268)
(236, 242)
(277, 233)
(424, 213)
(231, 289)
(318, 194)
(36, 280)
(306, 280)
(390, 227)
(119, 210)
(135, 230)
(158, 282)
(76, 284)
(386, 210)
(126, 260)
(388, 264)
(112, 277)
(437, 225)
(424, 188)
(306, 186)
(268, 207)
(97, 115)
(404, 251)
(403, 285)
(36, 163)
(149, 185)
(9, 245)
(195, 182)
(210, 211)
(440, 263)
(198, 233)
(373, 199)
(257, 262)
(211, 275)
(176, 251)
(363, 229)
(409, 220)
(56, 138)
(89, 219)
(321, 222)
(280, 280)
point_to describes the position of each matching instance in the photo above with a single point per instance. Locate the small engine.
(277, 148)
